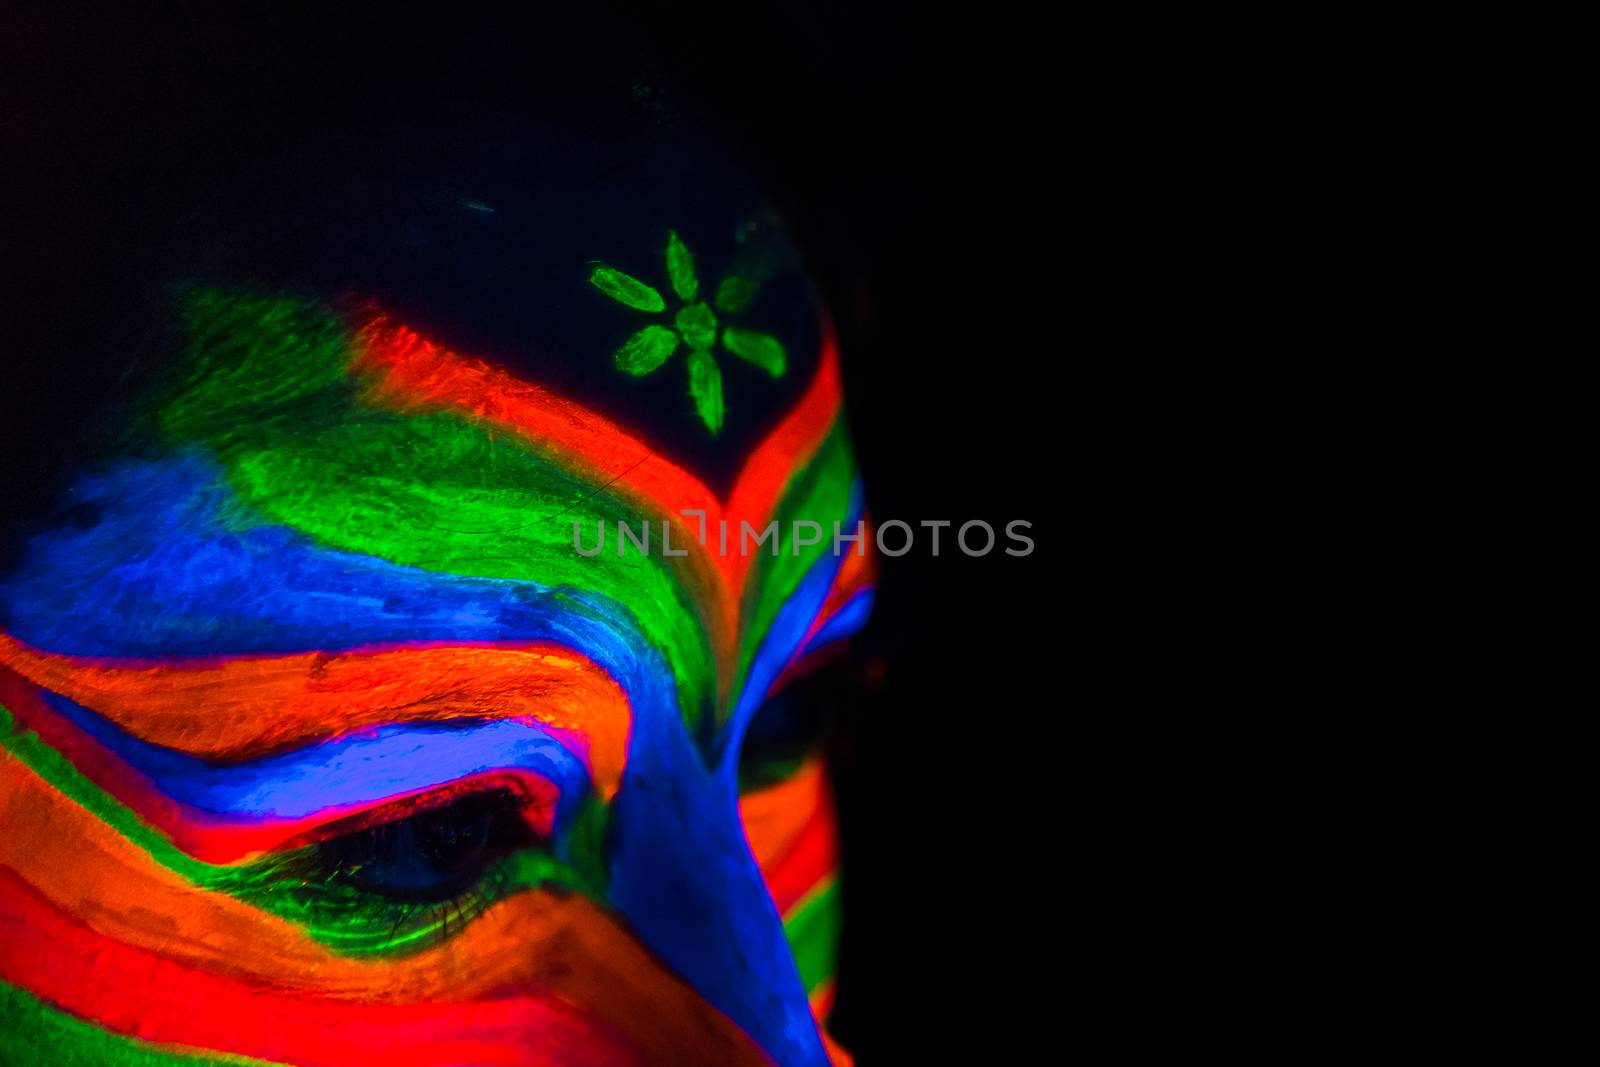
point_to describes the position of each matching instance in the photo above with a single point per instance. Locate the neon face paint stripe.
(313, 493)
(842, 624)
(813, 930)
(37, 1033)
(562, 945)
(797, 856)
(201, 586)
(783, 637)
(419, 374)
(138, 993)
(236, 708)
(346, 775)
(826, 486)
(151, 878)
(180, 839)
(774, 816)
(321, 459)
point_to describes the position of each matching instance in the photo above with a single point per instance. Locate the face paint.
(322, 744)
(693, 326)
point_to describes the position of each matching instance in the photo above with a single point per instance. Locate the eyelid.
(258, 704)
(537, 801)
(227, 814)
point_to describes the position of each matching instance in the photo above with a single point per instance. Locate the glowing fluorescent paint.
(695, 324)
(646, 350)
(626, 290)
(680, 268)
(330, 590)
(758, 348)
(705, 385)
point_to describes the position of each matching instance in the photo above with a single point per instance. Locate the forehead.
(316, 477)
(483, 238)
(333, 570)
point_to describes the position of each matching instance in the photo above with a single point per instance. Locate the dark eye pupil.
(434, 854)
(451, 839)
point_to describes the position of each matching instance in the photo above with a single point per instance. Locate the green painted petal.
(697, 325)
(764, 350)
(705, 385)
(647, 349)
(680, 268)
(626, 290)
(736, 293)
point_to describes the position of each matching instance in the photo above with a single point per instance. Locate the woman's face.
(330, 737)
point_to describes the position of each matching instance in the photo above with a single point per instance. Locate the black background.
(930, 167)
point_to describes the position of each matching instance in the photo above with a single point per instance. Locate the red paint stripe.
(416, 372)
(847, 582)
(770, 467)
(138, 993)
(202, 834)
(813, 856)
(822, 999)
(232, 708)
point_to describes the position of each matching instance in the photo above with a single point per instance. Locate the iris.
(430, 856)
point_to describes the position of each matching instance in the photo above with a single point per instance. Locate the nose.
(683, 877)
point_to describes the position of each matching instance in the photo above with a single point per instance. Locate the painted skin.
(322, 744)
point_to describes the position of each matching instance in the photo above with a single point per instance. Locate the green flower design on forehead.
(694, 325)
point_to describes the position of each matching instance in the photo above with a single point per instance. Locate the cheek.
(780, 817)
(793, 833)
(93, 925)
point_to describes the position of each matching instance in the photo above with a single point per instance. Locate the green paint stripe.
(469, 505)
(819, 493)
(35, 1032)
(269, 390)
(346, 920)
(813, 932)
(59, 772)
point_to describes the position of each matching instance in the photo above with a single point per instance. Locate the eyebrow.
(289, 798)
(681, 644)
(238, 708)
(405, 371)
(224, 814)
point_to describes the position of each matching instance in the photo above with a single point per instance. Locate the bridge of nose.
(683, 877)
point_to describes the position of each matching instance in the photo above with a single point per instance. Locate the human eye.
(410, 875)
(792, 727)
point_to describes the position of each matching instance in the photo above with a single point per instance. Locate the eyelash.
(421, 925)
(352, 889)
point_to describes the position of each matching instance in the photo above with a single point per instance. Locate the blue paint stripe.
(846, 622)
(358, 770)
(171, 566)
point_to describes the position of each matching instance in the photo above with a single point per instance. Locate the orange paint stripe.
(417, 372)
(856, 572)
(821, 1005)
(140, 994)
(241, 707)
(767, 472)
(531, 941)
(822, 999)
(774, 817)
(836, 1053)
(811, 859)
(408, 371)
(793, 833)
